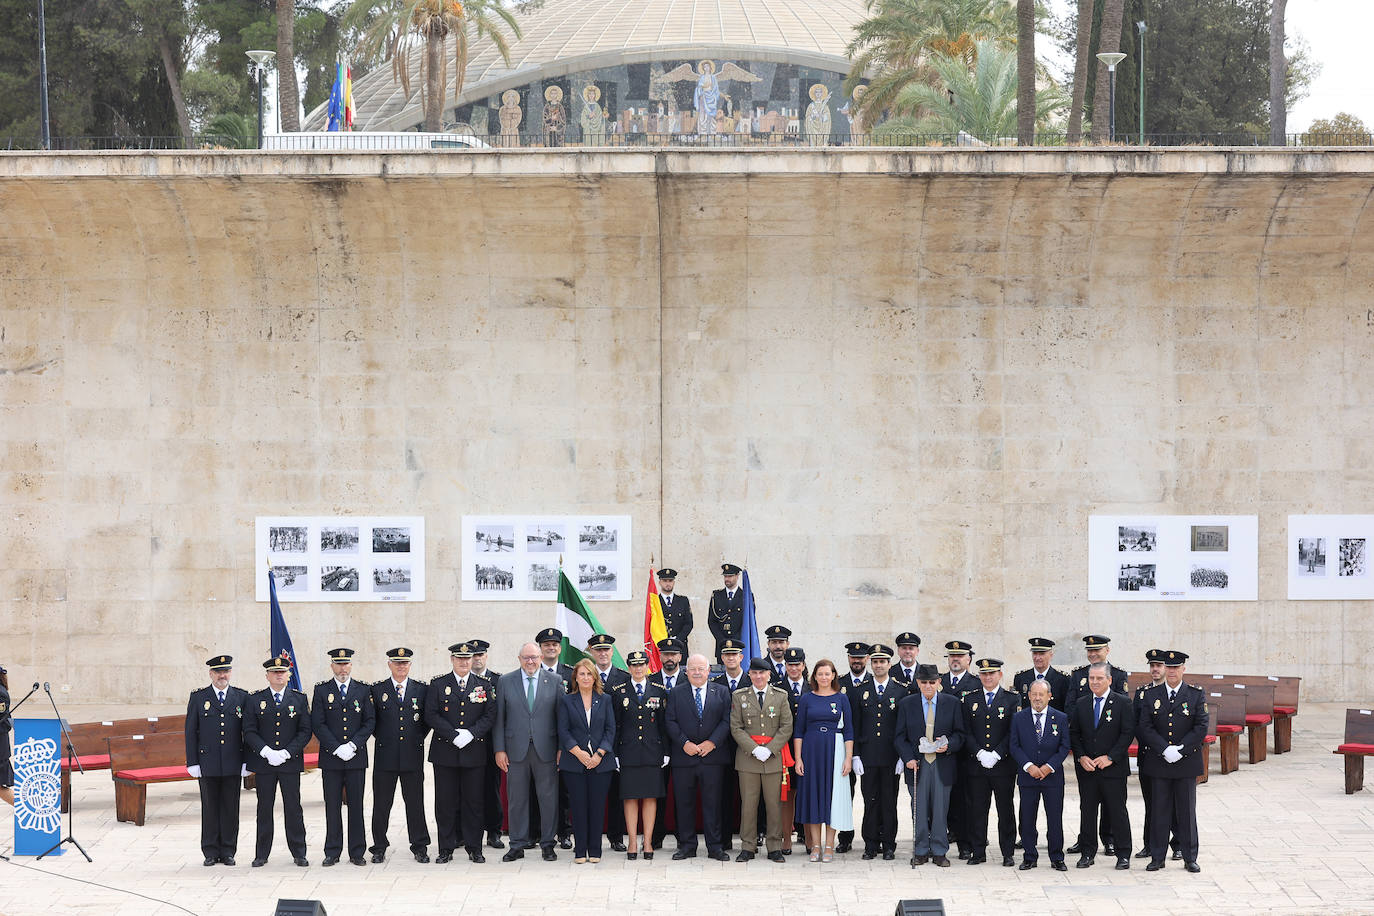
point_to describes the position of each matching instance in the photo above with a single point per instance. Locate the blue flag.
(281, 640)
(749, 627)
(336, 101)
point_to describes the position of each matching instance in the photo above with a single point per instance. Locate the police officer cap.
(638, 657)
(461, 650)
(666, 573)
(908, 639)
(880, 651)
(989, 665)
(220, 662)
(958, 647)
(1173, 658)
(479, 646)
(550, 634)
(600, 641)
(856, 649)
(1096, 642)
(758, 664)
(729, 569)
(1154, 655)
(794, 656)
(340, 656)
(1040, 644)
(927, 673)
(777, 631)
(400, 654)
(281, 663)
(670, 644)
(731, 645)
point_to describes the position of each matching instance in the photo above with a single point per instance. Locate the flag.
(749, 627)
(578, 624)
(280, 639)
(348, 97)
(340, 115)
(654, 626)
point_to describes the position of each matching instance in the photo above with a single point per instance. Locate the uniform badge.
(290, 711)
(625, 703)
(865, 694)
(262, 706)
(330, 698)
(357, 707)
(1109, 714)
(1156, 704)
(1001, 712)
(447, 690)
(207, 705)
(417, 717)
(1185, 709)
(1083, 682)
(238, 711)
(652, 702)
(1054, 728)
(975, 707)
(478, 696)
(414, 703)
(384, 698)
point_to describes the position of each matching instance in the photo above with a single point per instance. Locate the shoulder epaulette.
(1022, 671)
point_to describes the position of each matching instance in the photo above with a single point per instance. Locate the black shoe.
(330, 860)
(1123, 864)
(422, 857)
(684, 854)
(1059, 866)
(1144, 853)
(1085, 861)
(787, 852)
(648, 857)
(378, 858)
(844, 847)
(890, 855)
(919, 860)
(565, 842)
(942, 861)
(1192, 867)
(1155, 865)
(1008, 861)
(301, 861)
(494, 841)
(211, 860)
(1176, 856)
(776, 856)
(1028, 865)
(475, 855)
(356, 860)
(720, 855)
(259, 863)
(1075, 849)
(964, 854)
(227, 860)
(869, 854)
(976, 859)
(549, 854)
(1109, 849)
(444, 858)
(532, 844)
(744, 856)
(617, 846)
(511, 855)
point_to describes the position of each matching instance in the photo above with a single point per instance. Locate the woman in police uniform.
(641, 749)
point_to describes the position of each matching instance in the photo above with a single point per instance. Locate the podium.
(37, 761)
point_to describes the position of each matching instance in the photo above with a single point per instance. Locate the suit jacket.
(714, 724)
(516, 725)
(1059, 686)
(641, 728)
(214, 733)
(282, 728)
(747, 719)
(1111, 736)
(725, 616)
(1052, 747)
(989, 727)
(339, 718)
(875, 722)
(448, 709)
(1078, 683)
(399, 737)
(911, 728)
(575, 731)
(677, 617)
(1162, 723)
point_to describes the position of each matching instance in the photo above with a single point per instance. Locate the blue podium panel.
(37, 786)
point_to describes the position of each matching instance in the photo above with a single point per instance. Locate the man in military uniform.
(796, 683)
(1042, 653)
(276, 729)
(761, 726)
(599, 647)
(343, 718)
(214, 756)
(677, 609)
(731, 654)
(959, 683)
(461, 709)
(399, 755)
(1097, 648)
(1171, 730)
(875, 760)
(725, 616)
(990, 771)
(492, 812)
(908, 647)
(1155, 659)
(779, 638)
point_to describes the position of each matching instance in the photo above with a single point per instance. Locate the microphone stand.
(8, 716)
(71, 802)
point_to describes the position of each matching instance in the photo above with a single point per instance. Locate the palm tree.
(288, 92)
(1109, 40)
(392, 29)
(1025, 72)
(1278, 76)
(1082, 45)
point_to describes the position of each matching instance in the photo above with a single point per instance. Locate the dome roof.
(566, 36)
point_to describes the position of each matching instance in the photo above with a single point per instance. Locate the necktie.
(796, 689)
(1039, 725)
(668, 682)
(669, 599)
(733, 682)
(463, 684)
(880, 690)
(908, 673)
(1097, 710)
(1172, 694)
(989, 699)
(780, 671)
(221, 697)
(697, 695)
(639, 690)
(400, 693)
(529, 691)
(930, 726)
(603, 679)
(277, 697)
(760, 699)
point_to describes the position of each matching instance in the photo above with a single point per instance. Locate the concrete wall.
(896, 384)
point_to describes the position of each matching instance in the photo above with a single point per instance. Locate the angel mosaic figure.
(706, 99)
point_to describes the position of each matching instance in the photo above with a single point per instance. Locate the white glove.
(857, 765)
(666, 758)
(243, 770)
(285, 755)
(463, 738)
(761, 753)
(194, 770)
(900, 766)
(345, 752)
(617, 764)
(1173, 753)
(988, 758)
(281, 757)
(267, 754)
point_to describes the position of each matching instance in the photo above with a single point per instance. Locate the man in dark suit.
(958, 682)
(1042, 653)
(930, 734)
(991, 773)
(904, 668)
(492, 811)
(399, 755)
(779, 638)
(725, 615)
(875, 753)
(461, 709)
(276, 729)
(1154, 658)
(850, 684)
(343, 718)
(600, 647)
(550, 640)
(1039, 745)
(698, 725)
(214, 756)
(677, 609)
(1101, 726)
(1097, 649)
(671, 651)
(526, 738)
(1171, 730)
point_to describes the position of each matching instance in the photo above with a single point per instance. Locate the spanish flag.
(654, 626)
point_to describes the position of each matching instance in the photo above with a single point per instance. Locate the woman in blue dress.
(823, 749)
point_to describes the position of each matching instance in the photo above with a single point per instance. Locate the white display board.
(1328, 557)
(342, 558)
(1173, 558)
(515, 557)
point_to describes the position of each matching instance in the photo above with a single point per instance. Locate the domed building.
(611, 72)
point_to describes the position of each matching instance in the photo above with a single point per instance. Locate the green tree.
(1109, 41)
(288, 92)
(1025, 72)
(1083, 31)
(1343, 130)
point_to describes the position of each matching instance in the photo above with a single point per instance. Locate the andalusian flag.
(578, 624)
(654, 626)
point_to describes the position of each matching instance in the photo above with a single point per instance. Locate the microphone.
(46, 689)
(35, 685)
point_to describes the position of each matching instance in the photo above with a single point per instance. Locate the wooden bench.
(1207, 743)
(1286, 691)
(1259, 712)
(1358, 744)
(1226, 717)
(137, 761)
(89, 737)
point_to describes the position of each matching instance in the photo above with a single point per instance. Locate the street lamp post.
(1140, 30)
(260, 61)
(1111, 59)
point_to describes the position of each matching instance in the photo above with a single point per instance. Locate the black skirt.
(641, 782)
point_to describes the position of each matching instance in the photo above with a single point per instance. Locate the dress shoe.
(301, 861)
(1008, 861)
(617, 846)
(580, 860)
(549, 854)
(744, 856)
(1192, 867)
(787, 852)
(776, 856)
(942, 861)
(1059, 866)
(422, 857)
(211, 860)
(1086, 861)
(593, 860)
(684, 854)
(648, 857)
(1075, 849)
(1028, 865)
(330, 860)
(227, 860)
(869, 854)
(494, 841)
(356, 860)
(720, 855)
(259, 863)
(476, 856)
(890, 855)
(976, 858)
(564, 842)
(844, 847)
(964, 854)
(1123, 864)
(1144, 853)
(1176, 855)
(444, 858)
(631, 856)
(1155, 865)
(511, 855)
(1109, 848)
(378, 858)
(532, 844)
(919, 860)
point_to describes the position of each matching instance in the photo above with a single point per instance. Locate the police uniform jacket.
(641, 727)
(989, 726)
(725, 616)
(898, 673)
(282, 728)
(339, 718)
(447, 709)
(214, 733)
(1111, 736)
(794, 698)
(562, 670)
(679, 678)
(1078, 684)
(399, 738)
(1058, 681)
(1162, 723)
(967, 684)
(613, 677)
(677, 616)
(747, 718)
(875, 722)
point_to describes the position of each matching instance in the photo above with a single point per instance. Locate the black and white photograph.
(288, 540)
(1136, 577)
(1354, 559)
(1210, 538)
(545, 539)
(1311, 557)
(1211, 576)
(338, 540)
(338, 578)
(1136, 539)
(492, 576)
(543, 577)
(391, 579)
(495, 539)
(391, 540)
(291, 579)
(596, 577)
(598, 537)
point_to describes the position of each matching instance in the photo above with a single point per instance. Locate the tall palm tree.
(393, 28)
(288, 91)
(1278, 76)
(1082, 45)
(1025, 72)
(1109, 40)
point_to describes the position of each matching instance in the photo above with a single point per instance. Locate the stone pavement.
(1280, 836)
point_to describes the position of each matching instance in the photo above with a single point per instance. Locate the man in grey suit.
(525, 740)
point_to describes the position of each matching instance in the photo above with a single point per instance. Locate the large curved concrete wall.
(896, 383)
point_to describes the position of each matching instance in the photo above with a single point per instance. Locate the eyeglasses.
(529, 658)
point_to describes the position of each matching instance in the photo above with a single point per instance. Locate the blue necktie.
(639, 689)
(278, 697)
(880, 690)
(1097, 710)
(696, 695)
(1039, 725)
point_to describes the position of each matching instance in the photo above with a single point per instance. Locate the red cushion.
(1355, 749)
(1285, 710)
(1210, 739)
(1133, 749)
(90, 762)
(1257, 718)
(312, 760)
(154, 774)
(1228, 729)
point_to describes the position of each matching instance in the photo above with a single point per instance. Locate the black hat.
(461, 650)
(666, 573)
(908, 639)
(1040, 644)
(777, 631)
(878, 650)
(927, 673)
(479, 646)
(220, 662)
(729, 569)
(671, 644)
(1174, 658)
(758, 664)
(1154, 655)
(281, 663)
(958, 647)
(988, 665)
(549, 634)
(731, 645)
(401, 654)
(794, 656)
(340, 656)
(1096, 642)
(856, 649)
(600, 641)
(638, 657)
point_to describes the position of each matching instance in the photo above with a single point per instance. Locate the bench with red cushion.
(1285, 706)
(1207, 742)
(1258, 694)
(136, 761)
(1358, 744)
(88, 740)
(1226, 716)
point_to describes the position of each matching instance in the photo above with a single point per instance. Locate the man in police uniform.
(733, 678)
(761, 726)
(276, 729)
(725, 615)
(214, 756)
(990, 770)
(874, 705)
(492, 813)
(461, 709)
(1042, 653)
(959, 683)
(779, 638)
(1155, 659)
(677, 609)
(1097, 648)
(851, 684)
(343, 718)
(400, 755)
(904, 669)
(1171, 730)
(670, 653)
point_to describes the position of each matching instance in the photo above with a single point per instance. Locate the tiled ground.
(1280, 836)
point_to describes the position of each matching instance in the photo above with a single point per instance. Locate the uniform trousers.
(1108, 794)
(930, 809)
(459, 807)
(1052, 794)
(219, 815)
(492, 814)
(289, 784)
(959, 803)
(1174, 803)
(879, 786)
(1147, 796)
(412, 793)
(687, 781)
(344, 787)
(587, 793)
(756, 788)
(984, 786)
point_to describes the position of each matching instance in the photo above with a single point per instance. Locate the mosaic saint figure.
(817, 127)
(593, 117)
(509, 115)
(706, 99)
(555, 118)
(857, 128)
